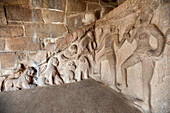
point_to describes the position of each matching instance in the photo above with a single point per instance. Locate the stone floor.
(87, 96)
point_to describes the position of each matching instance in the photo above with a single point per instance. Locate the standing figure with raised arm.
(141, 32)
(109, 39)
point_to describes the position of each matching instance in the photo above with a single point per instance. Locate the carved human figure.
(109, 53)
(50, 76)
(87, 45)
(25, 81)
(141, 32)
(83, 68)
(69, 74)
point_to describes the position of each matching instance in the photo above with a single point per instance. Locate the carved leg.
(112, 63)
(85, 75)
(50, 78)
(58, 80)
(79, 74)
(130, 61)
(41, 81)
(147, 73)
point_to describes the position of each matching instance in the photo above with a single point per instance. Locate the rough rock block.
(11, 31)
(74, 22)
(8, 60)
(53, 16)
(2, 16)
(51, 4)
(16, 2)
(21, 44)
(18, 13)
(2, 44)
(93, 7)
(45, 30)
(74, 6)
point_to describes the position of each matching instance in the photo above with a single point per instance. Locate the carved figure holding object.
(143, 53)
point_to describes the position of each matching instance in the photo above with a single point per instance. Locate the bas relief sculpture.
(109, 36)
(144, 53)
(70, 65)
(94, 54)
(140, 31)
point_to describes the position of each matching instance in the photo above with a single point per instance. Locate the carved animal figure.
(23, 82)
(69, 74)
(50, 75)
(83, 68)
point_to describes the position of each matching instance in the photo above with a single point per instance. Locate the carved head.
(55, 61)
(112, 28)
(71, 65)
(82, 59)
(31, 71)
(146, 15)
(73, 48)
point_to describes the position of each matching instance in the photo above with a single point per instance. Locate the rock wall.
(28, 26)
(132, 55)
(127, 49)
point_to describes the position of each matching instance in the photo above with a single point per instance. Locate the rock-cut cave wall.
(27, 27)
(127, 49)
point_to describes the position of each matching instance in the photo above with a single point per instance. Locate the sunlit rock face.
(127, 49)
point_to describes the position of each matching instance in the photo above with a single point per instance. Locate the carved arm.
(160, 37)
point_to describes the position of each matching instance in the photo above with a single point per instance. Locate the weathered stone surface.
(58, 30)
(8, 60)
(91, 1)
(74, 22)
(21, 44)
(51, 4)
(37, 57)
(93, 7)
(11, 31)
(108, 2)
(74, 6)
(18, 13)
(45, 30)
(22, 57)
(88, 18)
(2, 44)
(65, 67)
(2, 16)
(120, 1)
(6, 72)
(53, 16)
(87, 96)
(16, 2)
(105, 10)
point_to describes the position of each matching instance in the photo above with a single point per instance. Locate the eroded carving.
(109, 37)
(70, 65)
(24, 81)
(144, 53)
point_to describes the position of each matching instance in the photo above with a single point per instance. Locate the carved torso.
(142, 38)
